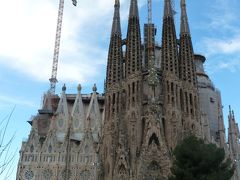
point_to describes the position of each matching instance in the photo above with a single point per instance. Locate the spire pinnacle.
(184, 19)
(116, 27)
(133, 9)
(233, 115)
(168, 10)
(133, 42)
(64, 88)
(79, 88)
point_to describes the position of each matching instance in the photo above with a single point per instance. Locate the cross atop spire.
(116, 27)
(133, 9)
(168, 10)
(184, 19)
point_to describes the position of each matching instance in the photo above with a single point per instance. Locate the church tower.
(187, 75)
(171, 84)
(113, 98)
(149, 105)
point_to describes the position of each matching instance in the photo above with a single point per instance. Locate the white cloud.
(221, 42)
(28, 30)
(6, 100)
(214, 46)
(232, 66)
(223, 15)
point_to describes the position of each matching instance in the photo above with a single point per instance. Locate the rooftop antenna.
(53, 79)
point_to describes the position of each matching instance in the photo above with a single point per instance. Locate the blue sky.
(27, 38)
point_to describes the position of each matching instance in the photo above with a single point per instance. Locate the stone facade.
(154, 97)
(63, 143)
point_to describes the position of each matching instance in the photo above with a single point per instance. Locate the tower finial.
(233, 115)
(133, 41)
(64, 88)
(116, 27)
(230, 110)
(79, 88)
(184, 19)
(134, 9)
(168, 10)
(114, 66)
(94, 88)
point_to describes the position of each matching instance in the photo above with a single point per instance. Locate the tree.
(6, 155)
(195, 160)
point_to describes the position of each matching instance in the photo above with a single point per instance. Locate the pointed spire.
(230, 113)
(93, 115)
(133, 43)
(78, 117)
(115, 65)
(184, 19)
(187, 71)
(233, 115)
(79, 88)
(231, 120)
(168, 11)
(169, 41)
(94, 88)
(64, 88)
(62, 117)
(62, 105)
(133, 9)
(116, 27)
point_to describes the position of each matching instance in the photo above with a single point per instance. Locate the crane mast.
(53, 79)
(149, 11)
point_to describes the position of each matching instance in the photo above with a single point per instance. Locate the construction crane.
(149, 11)
(53, 79)
(173, 7)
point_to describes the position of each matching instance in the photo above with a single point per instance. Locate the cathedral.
(154, 97)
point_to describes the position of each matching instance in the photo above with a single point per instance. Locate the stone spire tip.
(133, 9)
(79, 88)
(117, 2)
(184, 19)
(116, 27)
(64, 88)
(168, 10)
(94, 88)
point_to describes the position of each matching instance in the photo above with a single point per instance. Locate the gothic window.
(28, 174)
(154, 139)
(47, 174)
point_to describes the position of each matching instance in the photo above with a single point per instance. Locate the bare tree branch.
(6, 155)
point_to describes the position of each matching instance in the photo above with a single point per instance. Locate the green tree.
(195, 160)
